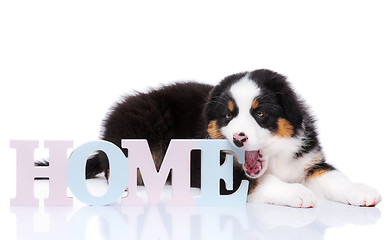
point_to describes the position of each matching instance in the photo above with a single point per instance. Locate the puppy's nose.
(239, 139)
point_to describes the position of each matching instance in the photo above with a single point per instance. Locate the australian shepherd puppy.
(256, 111)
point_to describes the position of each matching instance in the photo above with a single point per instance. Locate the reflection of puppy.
(256, 111)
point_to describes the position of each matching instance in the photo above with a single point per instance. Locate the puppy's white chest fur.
(290, 169)
(287, 169)
(285, 166)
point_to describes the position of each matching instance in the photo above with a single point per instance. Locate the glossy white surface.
(329, 220)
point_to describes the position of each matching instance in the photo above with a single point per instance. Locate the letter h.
(26, 172)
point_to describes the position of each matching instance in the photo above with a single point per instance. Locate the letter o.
(119, 175)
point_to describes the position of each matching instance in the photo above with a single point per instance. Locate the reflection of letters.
(163, 222)
(254, 221)
(26, 222)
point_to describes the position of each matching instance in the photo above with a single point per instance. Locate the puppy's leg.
(272, 190)
(335, 186)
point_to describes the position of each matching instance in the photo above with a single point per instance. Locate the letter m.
(177, 159)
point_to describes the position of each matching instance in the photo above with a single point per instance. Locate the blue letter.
(119, 174)
(212, 172)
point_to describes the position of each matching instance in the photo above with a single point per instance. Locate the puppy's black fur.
(197, 111)
(171, 112)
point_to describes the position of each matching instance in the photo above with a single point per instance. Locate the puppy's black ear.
(291, 107)
(278, 84)
(214, 99)
(211, 105)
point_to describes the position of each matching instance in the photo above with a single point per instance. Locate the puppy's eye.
(228, 116)
(260, 114)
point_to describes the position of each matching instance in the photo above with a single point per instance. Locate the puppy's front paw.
(273, 191)
(293, 195)
(299, 196)
(362, 195)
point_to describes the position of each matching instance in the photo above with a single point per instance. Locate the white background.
(64, 63)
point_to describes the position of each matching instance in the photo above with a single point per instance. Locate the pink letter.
(57, 173)
(26, 172)
(176, 158)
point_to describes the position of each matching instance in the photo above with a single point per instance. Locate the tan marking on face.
(231, 106)
(255, 104)
(317, 173)
(213, 130)
(285, 129)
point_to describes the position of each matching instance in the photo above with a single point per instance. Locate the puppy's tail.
(96, 164)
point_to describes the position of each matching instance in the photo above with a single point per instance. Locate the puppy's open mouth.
(253, 165)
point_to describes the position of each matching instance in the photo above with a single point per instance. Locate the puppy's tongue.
(253, 163)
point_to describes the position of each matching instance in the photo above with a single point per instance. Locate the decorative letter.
(176, 158)
(212, 172)
(118, 172)
(25, 173)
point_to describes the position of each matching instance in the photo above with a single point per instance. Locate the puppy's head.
(253, 110)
